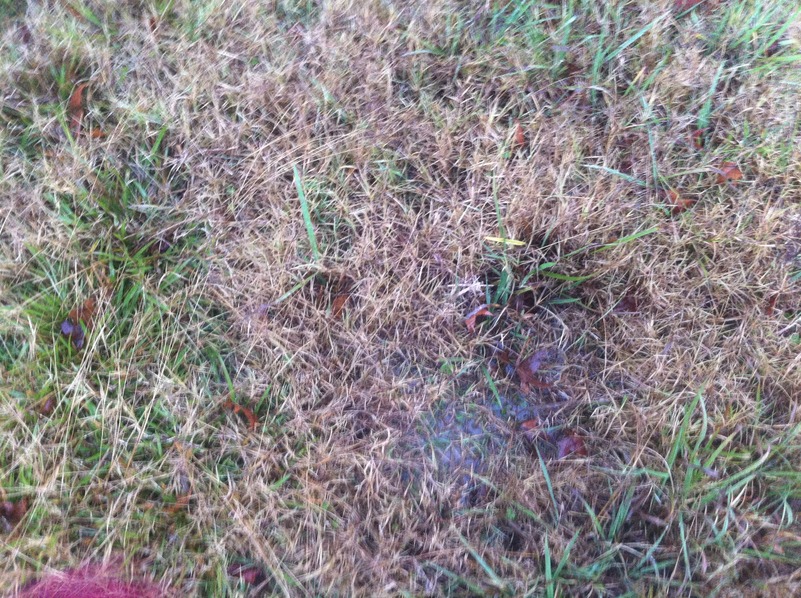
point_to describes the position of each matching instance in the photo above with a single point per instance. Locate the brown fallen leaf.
(571, 443)
(73, 11)
(773, 49)
(239, 410)
(48, 405)
(697, 138)
(75, 107)
(628, 304)
(25, 34)
(771, 305)
(181, 503)
(470, 319)
(680, 204)
(78, 321)
(96, 133)
(84, 312)
(729, 173)
(527, 369)
(250, 574)
(520, 135)
(338, 305)
(13, 512)
(531, 428)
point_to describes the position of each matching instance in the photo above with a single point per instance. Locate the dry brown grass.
(388, 458)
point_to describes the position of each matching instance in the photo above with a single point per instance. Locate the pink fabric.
(89, 582)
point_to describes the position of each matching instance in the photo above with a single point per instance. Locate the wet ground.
(461, 439)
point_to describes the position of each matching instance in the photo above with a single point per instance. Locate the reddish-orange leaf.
(470, 319)
(73, 11)
(96, 133)
(571, 444)
(181, 503)
(520, 135)
(84, 312)
(338, 305)
(239, 410)
(530, 424)
(527, 369)
(697, 138)
(773, 49)
(729, 173)
(75, 107)
(250, 574)
(71, 327)
(680, 204)
(771, 305)
(504, 357)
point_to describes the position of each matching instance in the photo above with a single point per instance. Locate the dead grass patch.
(293, 207)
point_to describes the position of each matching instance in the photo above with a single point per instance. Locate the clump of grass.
(289, 210)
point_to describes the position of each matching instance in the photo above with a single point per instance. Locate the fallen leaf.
(470, 319)
(697, 138)
(729, 173)
(771, 306)
(520, 135)
(181, 503)
(571, 443)
(75, 107)
(73, 11)
(78, 321)
(250, 574)
(531, 428)
(525, 300)
(48, 405)
(96, 133)
(13, 512)
(84, 313)
(25, 34)
(239, 410)
(527, 368)
(773, 49)
(338, 305)
(680, 204)
(160, 246)
(628, 304)
(503, 356)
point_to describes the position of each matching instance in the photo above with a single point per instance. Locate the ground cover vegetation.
(377, 297)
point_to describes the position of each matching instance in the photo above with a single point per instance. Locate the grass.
(292, 206)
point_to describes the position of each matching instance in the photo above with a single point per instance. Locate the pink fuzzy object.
(89, 582)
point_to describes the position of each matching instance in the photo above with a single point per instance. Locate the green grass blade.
(304, 208)
(496, 581)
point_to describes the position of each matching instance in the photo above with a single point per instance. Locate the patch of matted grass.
(292, 206)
